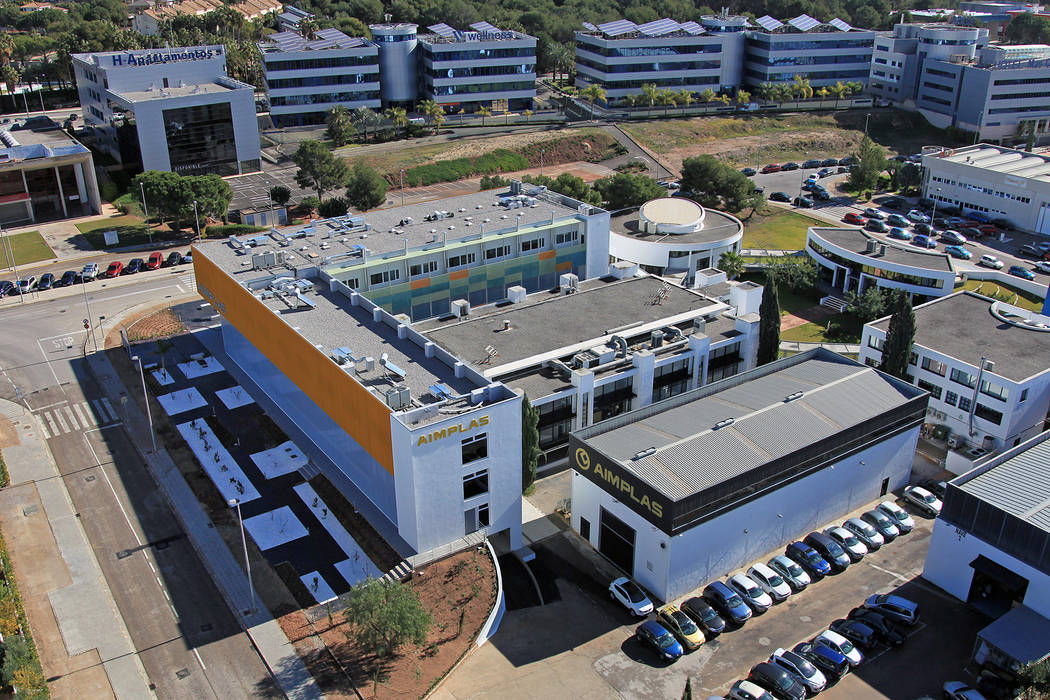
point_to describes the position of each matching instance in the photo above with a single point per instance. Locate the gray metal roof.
(1020, 485)
(855, 240)
(1000, 159)
(692, 455)
(1022, 633)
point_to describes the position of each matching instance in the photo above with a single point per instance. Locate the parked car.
(681, 626)
(893, 203)
(780, 197)
(923, 500)
(791, 572)
(1022, 272)
(1043, 266)
(953, 237)
(134, 265)
(957, 251)
(895, 607)
(941, 222)
(820, 194)
(1004, 224)
(925, 203)
(897, 220)
(937, 488)
(769, 581)
(848, 160)
(748, 690)
(857, 632)
(749, 171)
(831, 663)
(789, 166)
(881, 522)
(804, 202)
(829, 550)
(900, 234)
(812, 163)
(854, 218)
(771, 168)
(900, 517)
(865, 532)
(25, 285)
(873, 213)
(187, 257)
(174, 258)
(824, 172)
(885, 630)
(849, 542)
(726, 601)
(808, 558)
(801, 668)
(918, 217)
(924, 229)
(114, 269)
(777, 681)
(704, 615)
(991, 261)
(924, 242)
(89, 273)
(155, 260)
(654, 635)
(837, 642)
(752, 594)
(1030, 251)
(631, 596)
(877, 226)
(46, 281)
(6, 287)
(957, 690)
(68, 278)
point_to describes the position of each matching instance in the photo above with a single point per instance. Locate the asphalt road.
(186, 638)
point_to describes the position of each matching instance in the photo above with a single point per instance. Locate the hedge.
(227, 230)
(500, 160)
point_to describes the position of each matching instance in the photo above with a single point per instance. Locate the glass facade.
(201, 140)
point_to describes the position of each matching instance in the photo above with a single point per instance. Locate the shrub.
(497, 161)
(108, 190)
(227, 230)
(336, 206)
(491, 182)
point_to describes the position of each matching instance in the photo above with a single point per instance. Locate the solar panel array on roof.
(839, 24)
(659, 27)
(692, 27)
(618, 28)
(484, 27)
(803, 23)
(589, 26)
(768, 23)
(442, 29)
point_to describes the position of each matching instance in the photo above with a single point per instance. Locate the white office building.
(899, 57)
(824, 53)
(991, 406)
(306, 78)
(685, 491)
(171, 109)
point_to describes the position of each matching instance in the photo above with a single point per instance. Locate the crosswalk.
(188, 282)
(61, 419)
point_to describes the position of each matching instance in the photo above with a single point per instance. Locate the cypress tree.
(896, 351)
(530, 444)
(769, 324)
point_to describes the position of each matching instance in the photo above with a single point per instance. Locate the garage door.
(616, 541)
(1042, 224)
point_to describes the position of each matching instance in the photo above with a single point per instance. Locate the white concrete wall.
(657, 254)
(948, 566)
(717, 547)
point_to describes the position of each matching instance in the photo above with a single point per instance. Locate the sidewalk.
(86, 615)
(840, 348)
(266, 634)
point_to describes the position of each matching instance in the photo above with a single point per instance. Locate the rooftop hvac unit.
(264, 261)
(872, 246)
(366, 365)
(882, 249)
(656, 339)
(516, 294)
(605, 353)
(699, 325)
(398, 398)
(569, 283)
(461, 308)
(585, 360)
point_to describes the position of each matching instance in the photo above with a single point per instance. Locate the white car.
(756, 599)
(790, 571)
(769, 581)
(867, 534)
(918, 217)
(991, 261)
(848, 541)
(1043, 266)
(631, 596)
(898, 514)
(923, 500)
(89, 272)
(748, 690)
(957, 690)
(836, 642)
(800, 669)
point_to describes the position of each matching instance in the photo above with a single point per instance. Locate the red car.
(854, 218)
(771, 168)
(114, 269)
(155, 261)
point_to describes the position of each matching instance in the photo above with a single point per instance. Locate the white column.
(78, 171)
(61, 194)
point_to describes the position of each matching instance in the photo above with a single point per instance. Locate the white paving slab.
(220, 466)
(200, 368)
(318, 587)
(358, 566)
(283, 459)
(181, 401)
(275, 528)
(163, 377)
(234, 397)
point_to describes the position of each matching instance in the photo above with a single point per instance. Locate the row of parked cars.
(813, 163)
(91, 272)
(674, 631)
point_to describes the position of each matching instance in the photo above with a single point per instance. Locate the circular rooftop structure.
(673, 215)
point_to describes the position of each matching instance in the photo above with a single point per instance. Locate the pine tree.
(769, 324)
(896, 351)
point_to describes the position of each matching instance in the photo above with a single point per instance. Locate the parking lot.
(582, 645)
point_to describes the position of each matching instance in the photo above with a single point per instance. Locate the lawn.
(1002, 292)
(842, 328)
(131, 230)
(26, 248)
(665, 135)
(777, 229)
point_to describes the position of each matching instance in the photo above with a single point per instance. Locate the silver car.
(865, 532)
(848, 541)
(790, 571)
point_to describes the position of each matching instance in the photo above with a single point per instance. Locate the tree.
(792, 271)
(651, 93)
(29, 681)
(731, 263)
(667, 99)
(1034, 680)
(530, 444)
(308, 28)
(483, 113)
(280, 195)
(628, 190)
(896, 352)
(769, 324)
(212, 194)
(1027, 28)
(714, 184)
(572, 186)
(365, 119)
(909, 176)
(318, 170)
(385, 616)
(168, 195)
(685, 97)
(687, 694)
(871, 160)
(707, 96)
(16, 655)
(867, 306)
(593, 93)
(365, 188)
(743, 97)
(398, 116)
(528, 115)
(432, 111)
(341, 127)
(331, 208)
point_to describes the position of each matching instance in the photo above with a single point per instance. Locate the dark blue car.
(831, 663)
(727, 602)
(655, 635)
(47, 280)
(808, 558)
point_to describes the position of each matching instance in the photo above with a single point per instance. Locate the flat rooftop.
(210, 87)
(547, 321)
(856, 241)
(718, 226)
(962, 326)
(36, 137)
(998, 159)
(1019, 485)
(692, 454)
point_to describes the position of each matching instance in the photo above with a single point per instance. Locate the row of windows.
(631, 52)
(936, 86)
(949, 42)
(323, 98)
(321, 62)
(687, 81)
(1021, 81)
(1014, 110)
(1019, 95)
(941, 73)
(479, 54)
(777, 60)
(937, 100)
(478, 71)
(482, 88)
(872, 271)
(648, 67)
(787, 77)
(319, 80)
(762, 43)
(980, 188)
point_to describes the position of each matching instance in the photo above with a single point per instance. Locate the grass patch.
(806, 333)
(666, 135)
(777, 229)
(131, 230)
(26, 248)
(1002, 292)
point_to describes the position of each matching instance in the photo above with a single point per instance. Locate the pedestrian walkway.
(840, 348)
(761, 253)
(59, 419)
(266, 634)
(86, 614)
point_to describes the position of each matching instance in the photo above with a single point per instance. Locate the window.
(461, 260)
(931, 365)
(950, 398)
(566, 237)
(935, 391)
(384, 277)
(531, 244)
(989, 414)
(475, 448)
(475, 484)
(483, 515)
(994, 390)
(1024, 396)
(965, 403)
(200, 139)
(964, 378)
(353, 283)
(500, 251)
(876, 343)
(423, 268)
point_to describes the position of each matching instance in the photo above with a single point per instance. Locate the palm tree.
(731, 263)
(365, 118)
(528, 114)
(398, 116)
(593, 93)
(431, 110)
(650, 92)
(707, 96)
(743, 97)
(308, 28)
(685, 97)
(484, 112)
(822, 93)
(667, 99)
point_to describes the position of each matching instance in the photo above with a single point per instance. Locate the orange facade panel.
(419, 284)
(458, 274)
(567, 265)
(548, 254)
(345, 401)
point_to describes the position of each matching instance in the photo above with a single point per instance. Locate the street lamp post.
(14, 265)
(402, 173)
(197, 220)
(541, 162)
(866, 117)
(933, 216)
(244, 543)
(87, 321)
(145, 211)
(145, 396)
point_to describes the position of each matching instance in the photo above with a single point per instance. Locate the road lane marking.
(61, 423)
(43, 428)
(86, 416)
(72, 419)
(894, 574)
(199, 660)
(109, 408)
(51, 405)
(51, 422)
